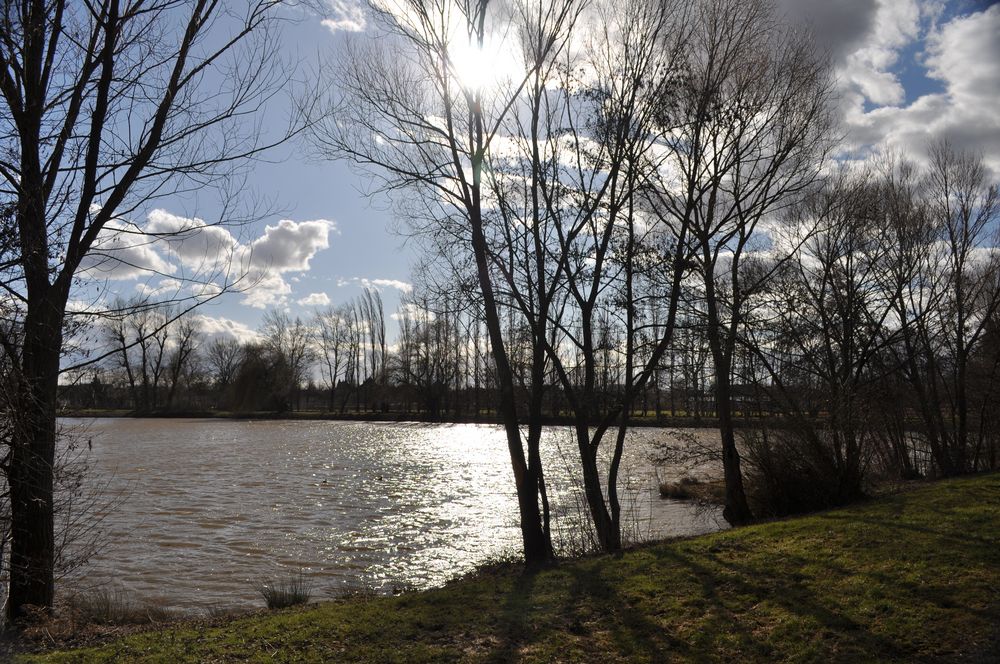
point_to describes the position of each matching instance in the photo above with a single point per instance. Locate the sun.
(487, 66)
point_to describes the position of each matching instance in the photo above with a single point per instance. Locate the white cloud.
(964, 54)
(194, 243)
(214, 327)
(86, 306)
(265, 289)
(170, 285)
(868, 68)
(377, 284)
(345, 16)
(287, 247)
(290, 245)
(414, 312)
(205, 257)
(381, 284)
(315, 300)
(123, 251)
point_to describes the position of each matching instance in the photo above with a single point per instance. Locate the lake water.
(208, 508)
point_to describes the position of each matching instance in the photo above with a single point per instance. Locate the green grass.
(912, 577)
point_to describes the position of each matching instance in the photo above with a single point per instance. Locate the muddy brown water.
(207, 508)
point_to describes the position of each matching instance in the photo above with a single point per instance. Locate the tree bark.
(32, 550)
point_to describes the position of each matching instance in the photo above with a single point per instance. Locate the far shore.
(663, 421)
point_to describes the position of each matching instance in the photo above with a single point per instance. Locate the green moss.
(912, 577)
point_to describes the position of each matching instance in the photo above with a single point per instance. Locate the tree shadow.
(594, 609)
(963, 538)
(711, 610)
(515, 619)
(729, 593)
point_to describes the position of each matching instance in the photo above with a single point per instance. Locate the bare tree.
(332, 337)
(140, 336)
(223, 356)
(821, 339)
(949, 301)
(290, 344)
(118, 335)
(426, 124)
(182, 355)
(565, 239)
(104, 110)
(755, 122)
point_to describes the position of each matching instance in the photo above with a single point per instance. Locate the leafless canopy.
(107, 107)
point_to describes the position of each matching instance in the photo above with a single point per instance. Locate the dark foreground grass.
(912, 577)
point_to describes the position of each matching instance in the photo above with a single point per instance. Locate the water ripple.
(214, 505)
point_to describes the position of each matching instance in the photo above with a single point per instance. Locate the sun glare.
(485, 67)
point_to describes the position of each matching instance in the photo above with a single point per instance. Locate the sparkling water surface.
(206, 509)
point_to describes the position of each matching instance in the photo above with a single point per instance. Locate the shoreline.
(842, 585)
(673, 422)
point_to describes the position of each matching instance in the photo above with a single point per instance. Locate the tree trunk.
(608, 535)
(737, 510)
(537, 547)
(32, 550)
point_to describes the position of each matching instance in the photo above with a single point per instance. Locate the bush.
(282, 593)
(795, 471)
(114, 606)
(680, 490)
(691, 488)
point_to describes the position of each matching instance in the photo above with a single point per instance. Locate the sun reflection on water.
(215, 505)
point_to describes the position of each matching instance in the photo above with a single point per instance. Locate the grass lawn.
(912, 577)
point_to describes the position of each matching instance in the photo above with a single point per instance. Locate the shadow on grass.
(737, 590)
(731, 601)
(592, 611)
(961, 537)
(515, 622)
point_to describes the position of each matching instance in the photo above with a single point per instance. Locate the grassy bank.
(912, 577)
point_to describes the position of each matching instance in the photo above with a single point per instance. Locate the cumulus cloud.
(839, 28)
(199, 256)
(85, 306)
(315, 300)
(287, 247)
(290, 245)
(191, 241)
(869, 68)
(123, 251)
(381, 284)
(414, 312)
(283, 248)
(163, 287)
(952, 45)
(344, 16)
(964, 55)
(377, 284)
(219, 327)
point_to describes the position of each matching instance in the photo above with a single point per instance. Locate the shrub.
(680, 490)
(791, 471)
(282, 593)
(114, 606)
(691, 488)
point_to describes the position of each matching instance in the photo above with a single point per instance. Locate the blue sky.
(909, 71)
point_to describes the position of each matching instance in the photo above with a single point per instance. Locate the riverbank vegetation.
(639, 214)
(909, 577)
(838, 325)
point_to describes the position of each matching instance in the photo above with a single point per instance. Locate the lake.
(207, 508)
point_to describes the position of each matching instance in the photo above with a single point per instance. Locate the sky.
(908, 72)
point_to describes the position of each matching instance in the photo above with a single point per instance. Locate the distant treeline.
(339, 362)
